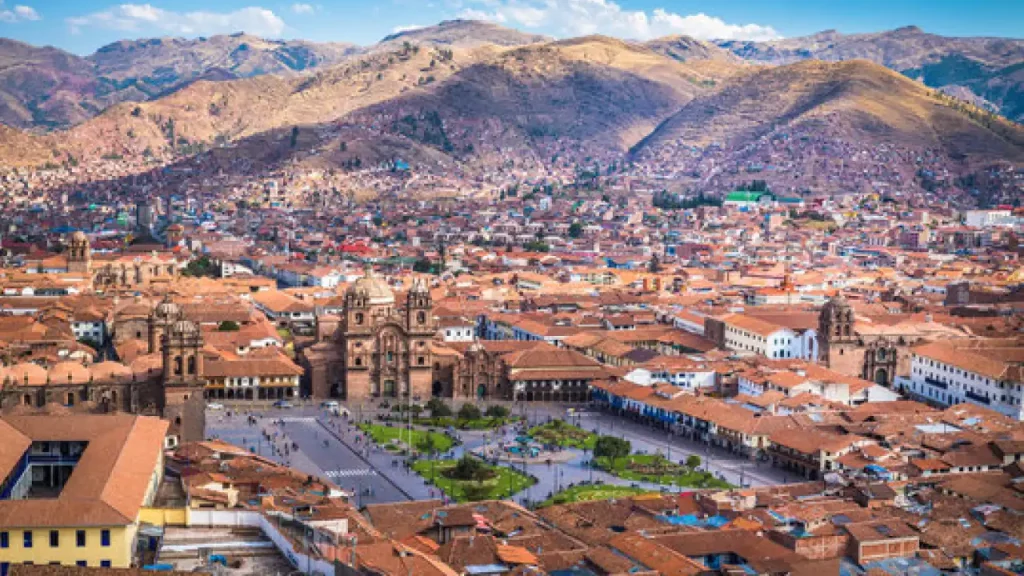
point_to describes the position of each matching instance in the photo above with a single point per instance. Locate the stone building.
(873, 349)
(379, 349)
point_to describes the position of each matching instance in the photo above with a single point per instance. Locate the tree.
(575, 230)
(228, 326)
(469, 412)
(422, 265)
(496, 412)
(438, 409)
(655, 265)
(201, 266)
(693, 461)
(612, 447)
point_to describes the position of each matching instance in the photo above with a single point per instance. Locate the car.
(329, 404)
(282, 404)
(215, 406)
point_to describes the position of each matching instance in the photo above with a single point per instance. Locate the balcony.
(978, 398)
(936, 383)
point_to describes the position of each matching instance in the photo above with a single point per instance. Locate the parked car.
(329, 404)
(215, 406)
(282, 404)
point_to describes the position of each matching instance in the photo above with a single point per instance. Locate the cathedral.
(379, 350)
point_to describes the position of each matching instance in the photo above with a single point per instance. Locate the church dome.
(373, 288)
(184, 329)
(167, 310)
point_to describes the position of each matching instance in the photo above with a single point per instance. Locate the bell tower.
(183, 402)
(835, 330)
(79, 253)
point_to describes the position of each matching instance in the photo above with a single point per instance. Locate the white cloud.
(580, 17)
(300, 8)
(410, 27)
(20, 13)
(145, 18)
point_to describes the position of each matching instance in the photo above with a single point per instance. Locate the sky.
(82, 26)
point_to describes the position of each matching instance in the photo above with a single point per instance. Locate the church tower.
(421, 328)
(183, 403)
(160, 321)
(79, 254)
(835, 330)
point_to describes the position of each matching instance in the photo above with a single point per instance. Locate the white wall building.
(947, 373)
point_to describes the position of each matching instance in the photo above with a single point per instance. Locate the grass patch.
(477, 424)
(496, 487)
(656, 469)
(558, 433)
(389, 435)
(593, 492)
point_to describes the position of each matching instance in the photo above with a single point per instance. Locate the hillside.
(862, 100)
(162, 63)
(817, 125)
(46, 88)
(992, 69)
(687, 49)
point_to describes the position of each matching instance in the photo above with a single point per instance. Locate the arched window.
(846, 330)
(177, 365)
(421, 317)
(191, 364)
(359, 361)
(359, 318)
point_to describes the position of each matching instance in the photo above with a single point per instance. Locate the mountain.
(43, 86)
(163, 63)
(800, 117)
(463, 34)
(685, 48)
(47, 88)
(992, 69)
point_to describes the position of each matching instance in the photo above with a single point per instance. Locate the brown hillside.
(857, 101)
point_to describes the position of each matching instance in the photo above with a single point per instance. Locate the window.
(80, 538)
(105, 538)
(81, 563)
(104, 563)
(4, 566)
(4, 540)
(28, 538)
(54, 539)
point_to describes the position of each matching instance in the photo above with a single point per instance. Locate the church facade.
(875, 351)
(379, 350)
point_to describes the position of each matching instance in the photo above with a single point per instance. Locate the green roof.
(745, 196)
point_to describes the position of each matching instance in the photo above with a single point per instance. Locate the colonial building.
(875, 351)
(379, 349)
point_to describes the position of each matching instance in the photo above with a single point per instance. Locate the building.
(379, 349)
(879, 352)
(984, 372)
(73, 487)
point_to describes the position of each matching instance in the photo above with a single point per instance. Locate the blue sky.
(81, 26)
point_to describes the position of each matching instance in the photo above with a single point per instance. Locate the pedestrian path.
(351, 473)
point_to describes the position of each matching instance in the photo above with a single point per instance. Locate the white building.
(748, 334)
(972, 371)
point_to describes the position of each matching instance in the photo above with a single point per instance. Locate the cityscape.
(562, 287)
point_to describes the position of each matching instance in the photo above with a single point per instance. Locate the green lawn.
(478, 424)
(657, 469)
(565, 435)
(496, 488)
(388, 435)
(593, 492)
